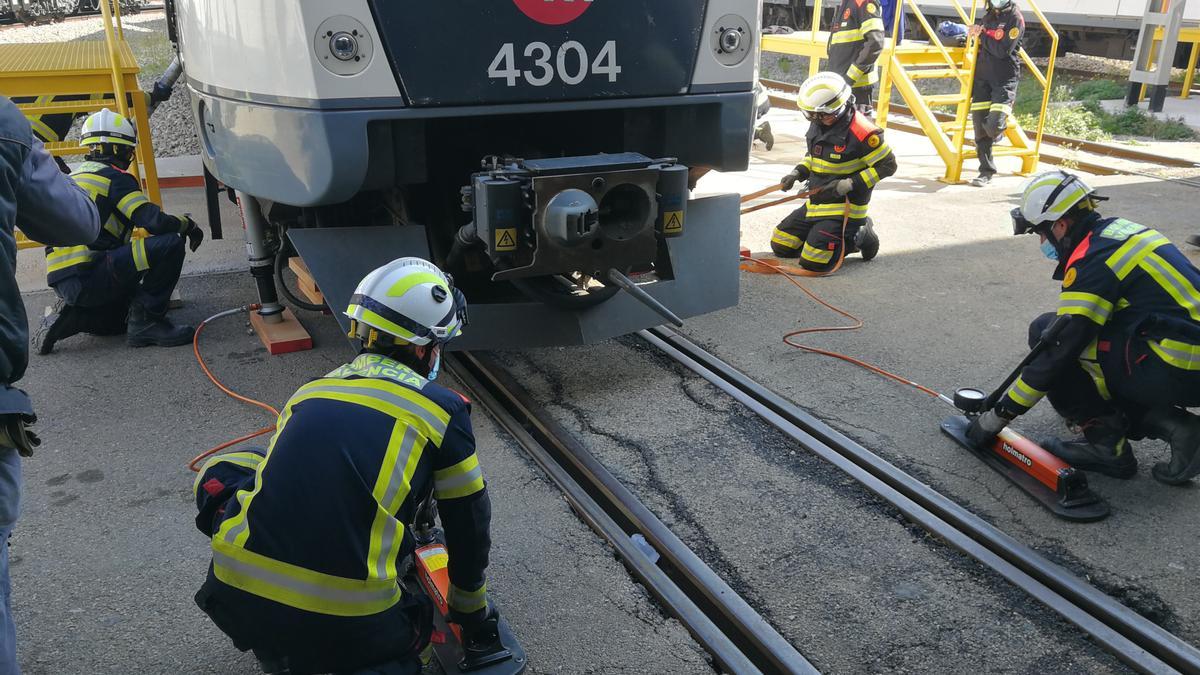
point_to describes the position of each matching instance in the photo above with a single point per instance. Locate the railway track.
(739, 639)
(1104, 150)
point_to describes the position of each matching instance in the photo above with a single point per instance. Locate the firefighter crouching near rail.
(308, 541)
(997, 74)
(1127, 363)
(855, 43)
(118, 284)
(847, 156)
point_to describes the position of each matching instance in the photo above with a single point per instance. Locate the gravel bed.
(171, 125)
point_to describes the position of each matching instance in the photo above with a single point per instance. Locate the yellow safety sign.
(673, 222)
(506, 239)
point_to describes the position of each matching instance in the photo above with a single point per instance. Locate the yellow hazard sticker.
(506, 239)
(871, 8)
(1070, 278)
(673, 222)
(874, 141)
(1014, 33)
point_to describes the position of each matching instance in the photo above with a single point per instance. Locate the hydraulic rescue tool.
(1052, 482)
(490, 650)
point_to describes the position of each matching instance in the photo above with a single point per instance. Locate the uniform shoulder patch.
(862, 127)
(872, 9)
(1070, 277)
(1014, 33)
(874, 141)
(1121, 229)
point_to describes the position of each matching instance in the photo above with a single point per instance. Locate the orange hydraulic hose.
(194, 465)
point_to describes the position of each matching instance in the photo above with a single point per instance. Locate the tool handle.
(1047, 338)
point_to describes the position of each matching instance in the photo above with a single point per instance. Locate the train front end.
(540, 151)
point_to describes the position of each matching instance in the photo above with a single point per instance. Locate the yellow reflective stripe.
(392, 486)
(1088, 360)
(140, 260)
(61, 258)
(43, 130)
(822, 167)
(405, 284)
(846, 36)
(855, 72)
(806, 162)
(130, 202)
(461, 480)
(1024, 394)
(95, 186)
(879, 153)
(1176, 353)
(114, 227)
(825, 210)
(467, 601)
(1001, 107)
(1174, 283)
(870, 177)
(1126, 259)
(784, 239)
(301, 588)
(870, 25)
(248, 460)
(976, 107)
(386, 397)
(379, 322)
(1122, 304)
(236, 530)
(1090, 305)
(815, 254)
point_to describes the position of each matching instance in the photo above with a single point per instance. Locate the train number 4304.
(570, 63)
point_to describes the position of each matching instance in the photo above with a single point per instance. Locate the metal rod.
(1047, 338)
(1135, 640)
(626, 284)
(261, 259)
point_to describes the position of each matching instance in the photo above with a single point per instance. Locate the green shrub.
(1074, 121)
(1098, 90)
(1134, 122)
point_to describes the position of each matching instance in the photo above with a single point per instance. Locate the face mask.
(1049, 250)
(437, 365)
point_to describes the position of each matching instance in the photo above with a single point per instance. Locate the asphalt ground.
(108, 559)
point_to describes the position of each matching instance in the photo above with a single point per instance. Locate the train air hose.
(194, 465)
(790, 273)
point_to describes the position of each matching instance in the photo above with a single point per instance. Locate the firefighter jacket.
(53, 127)
(323, 528)
(1000, 44)
(122, 206)
(852, 148)
(856, 41)
(1122, 281)
(37, 198)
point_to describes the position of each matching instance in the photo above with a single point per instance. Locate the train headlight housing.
(343, 46)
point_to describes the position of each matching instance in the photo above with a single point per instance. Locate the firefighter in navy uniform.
(309, 542)
(118, 284)
(52, 127)
(847, 156)
(996, 76)
(1127, 363)
(855, 43)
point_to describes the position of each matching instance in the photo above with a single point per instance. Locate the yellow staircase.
(905, 62)
(104, 71)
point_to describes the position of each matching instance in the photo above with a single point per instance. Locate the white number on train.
(570, 63)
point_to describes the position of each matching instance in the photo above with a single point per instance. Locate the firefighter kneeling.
(847, 157)
(310, 541)
(117, 283)
(1127, 363)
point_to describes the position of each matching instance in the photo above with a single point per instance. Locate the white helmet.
(1048, 197)
(999, 4)
(410, 300)
(107, 126)
(823, 94)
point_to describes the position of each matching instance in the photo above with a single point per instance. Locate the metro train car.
(542, 152)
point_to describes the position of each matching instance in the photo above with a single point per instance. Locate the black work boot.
(1103, 449)
(866, 241)
(1181, 430)
(63, 322)
(145, 329)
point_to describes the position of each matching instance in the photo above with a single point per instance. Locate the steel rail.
(739, 639)
(1131, 637)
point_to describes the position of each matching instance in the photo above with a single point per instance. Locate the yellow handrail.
(933, 38)
(814, 63)
(111, 11)
(1048, 79)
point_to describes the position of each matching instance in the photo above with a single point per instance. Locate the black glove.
(194, 234)
(985, 427)
(15, 433)
(841, 187)
(789, 181)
